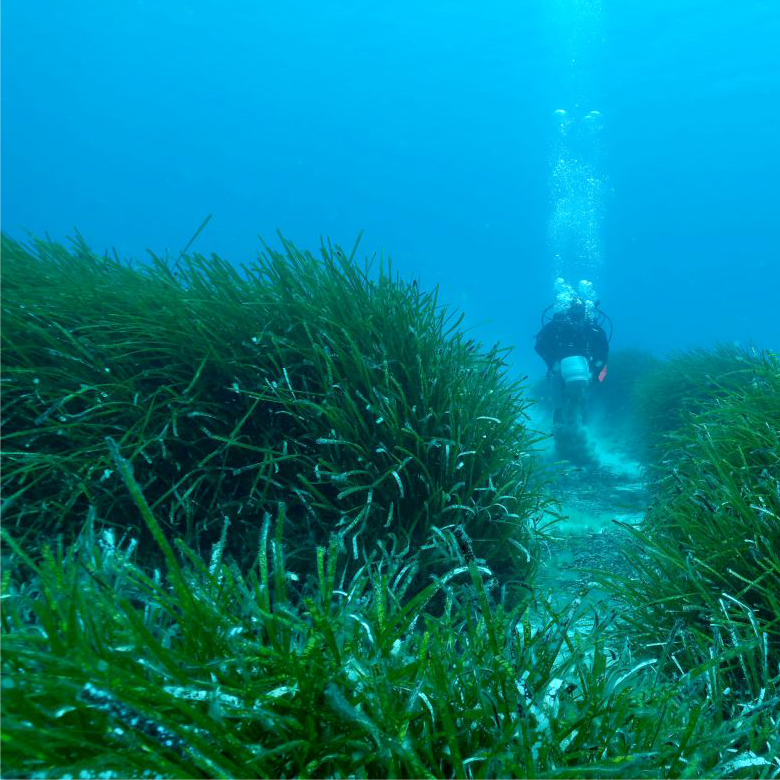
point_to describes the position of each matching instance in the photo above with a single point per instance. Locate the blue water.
(431, 127)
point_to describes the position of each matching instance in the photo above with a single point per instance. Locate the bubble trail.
(577, 181)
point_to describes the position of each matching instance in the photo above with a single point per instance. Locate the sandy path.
(586, 537)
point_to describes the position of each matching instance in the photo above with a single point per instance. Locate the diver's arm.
(599, 347)
(546, 342)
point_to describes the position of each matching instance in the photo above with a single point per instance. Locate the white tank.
(575, 369)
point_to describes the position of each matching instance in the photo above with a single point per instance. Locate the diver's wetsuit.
(562, 337)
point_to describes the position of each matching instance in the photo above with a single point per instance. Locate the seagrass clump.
(707, 561)
(337, 389)
(670, 390)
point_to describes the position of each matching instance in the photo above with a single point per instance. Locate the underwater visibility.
(390, 390)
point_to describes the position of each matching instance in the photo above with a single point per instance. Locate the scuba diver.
(575, 348)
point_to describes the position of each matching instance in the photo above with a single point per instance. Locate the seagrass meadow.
(288, 521)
